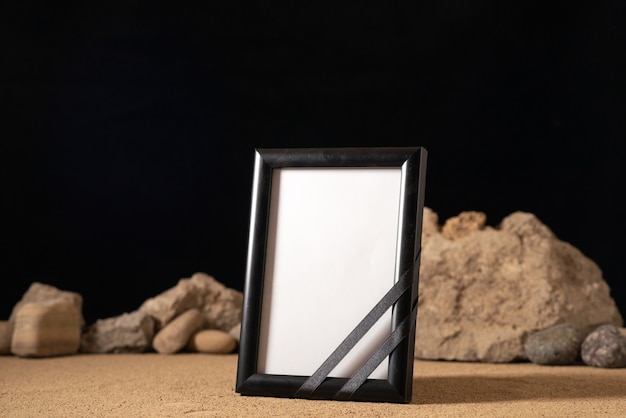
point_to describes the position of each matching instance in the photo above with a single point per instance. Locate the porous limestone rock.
(212, 341)
(6, 332)
(460, 226)
(220, 305)
(483, 292)
(40, 292)
(175, 335)
(49, 328)
(127, 333)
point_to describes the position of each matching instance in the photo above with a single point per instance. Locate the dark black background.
(128, 130)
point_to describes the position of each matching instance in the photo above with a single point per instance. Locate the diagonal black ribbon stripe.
(385, 349)
(391, 297)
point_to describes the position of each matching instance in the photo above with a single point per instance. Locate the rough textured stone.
(43, 329)
(235, 332)
(604, 347)
(39, 292)
(555, 345)
(482, 294)
(175, 335)
(127, 333)
(6, 332)
(460, 226)
(221, 306)
(212, 341)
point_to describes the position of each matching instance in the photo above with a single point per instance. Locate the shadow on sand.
(477, 389)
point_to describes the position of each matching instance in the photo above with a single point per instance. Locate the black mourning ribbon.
(386, 348)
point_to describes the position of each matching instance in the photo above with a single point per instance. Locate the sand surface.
(153, 385)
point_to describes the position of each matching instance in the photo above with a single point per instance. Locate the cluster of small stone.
(603, 346)
(488, 294)
(199, 314)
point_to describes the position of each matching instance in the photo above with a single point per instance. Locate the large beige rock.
(40, 292)
(6, 333)
(220, 306)
(483, 290)
(43, 329)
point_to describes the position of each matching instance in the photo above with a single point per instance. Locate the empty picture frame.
(330, 296)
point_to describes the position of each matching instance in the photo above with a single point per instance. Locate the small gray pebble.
(604, 347)
(555, 345)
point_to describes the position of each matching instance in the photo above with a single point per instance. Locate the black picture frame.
(397, 387)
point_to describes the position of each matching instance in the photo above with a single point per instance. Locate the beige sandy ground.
(153, 385)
